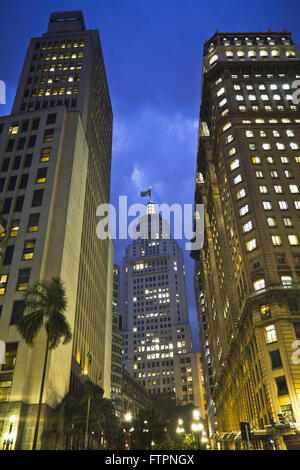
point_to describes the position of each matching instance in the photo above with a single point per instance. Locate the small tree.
(44, 305)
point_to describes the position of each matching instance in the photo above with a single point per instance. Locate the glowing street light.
(9, 437)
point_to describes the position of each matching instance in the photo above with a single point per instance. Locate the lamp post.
(128, 418)
(9, 437)
(197, 428)
(180, 428)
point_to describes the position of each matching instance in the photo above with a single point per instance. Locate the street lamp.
(128, 418)
(179, 428)
(197, 428)
(9, 437)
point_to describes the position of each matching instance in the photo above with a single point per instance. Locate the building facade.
(117, 345)
(248, 179)
(55, 151)
(156, 331)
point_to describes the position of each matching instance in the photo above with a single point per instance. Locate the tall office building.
(248, 179)
(55, 151)
(117, 345)
(156, 330)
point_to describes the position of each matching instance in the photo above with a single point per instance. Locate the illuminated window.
(244, 210)
(265, 311)
(294, 188)
(283, 205)
(235, 164)
(287, 221)
(48, 135)
(213, 59)
(248, 226)
(251, 245)
(267, 205)
(263, 189)
(286, 281)
(237, 179)
(293, 240)
(23, 279)
(270, 334)
(33, 223)
(259, 284)
(15, 225)
(227, 126)
(240, 194)
(41, 175)
(276, 240)
(45, 154)
(28, 249)
(271, 222)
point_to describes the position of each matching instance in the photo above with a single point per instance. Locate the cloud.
(138, 178)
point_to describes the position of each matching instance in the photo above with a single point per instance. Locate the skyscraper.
(117, 345)
(156, 330)
(248, 179)
(55, 151)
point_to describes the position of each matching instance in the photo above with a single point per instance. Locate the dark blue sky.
(153, 56)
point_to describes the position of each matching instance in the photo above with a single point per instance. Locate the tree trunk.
(37, 423)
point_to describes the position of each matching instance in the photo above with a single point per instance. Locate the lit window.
(221, 91)
(275, 53)
(263, 53)
(266, 146)
(244, 210)
(251, 245)
(283, 205)
(28, 249)
(15, 225)
(240, 194)
(213, 59)
(286, 280)
(270, 334)
(259, 284)
(224, 101)
(263, 189)
(235, 164)
(294, 189)
(256, 160)
(293, 240)
(41, 175)
(276, 240)
(251, 53)
(287, 221)
(294, 146)
(45, 154)
(237, 179)
(297, 204)
(278, 189)
(267, 205)
(252, 97)
(265, 311)
(239, 97)
(33, 223)
(271, 222)
(247, 227)
(259, 174)
(265, 97)
(249, 134)
(229, 139)
(227, 126)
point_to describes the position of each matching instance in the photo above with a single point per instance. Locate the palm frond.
(58, 329)
(29, 325)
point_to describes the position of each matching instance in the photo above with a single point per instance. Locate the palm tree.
(44, 305)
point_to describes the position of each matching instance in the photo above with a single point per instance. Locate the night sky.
(153, 57)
